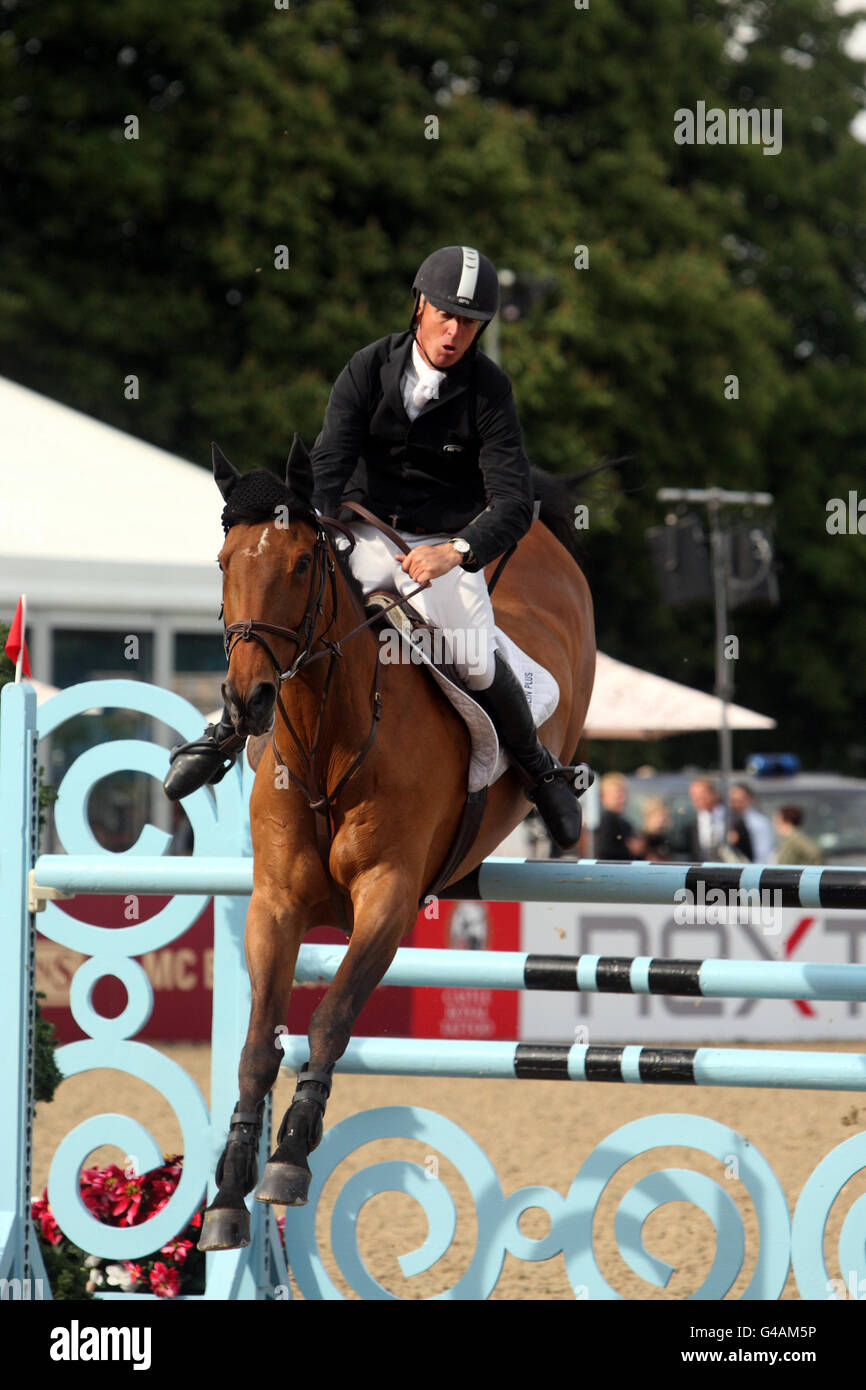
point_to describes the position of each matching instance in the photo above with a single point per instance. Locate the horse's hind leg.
(381, 918)
(273, 935)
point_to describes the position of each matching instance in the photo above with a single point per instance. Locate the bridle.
(251, 629)
(306, 638)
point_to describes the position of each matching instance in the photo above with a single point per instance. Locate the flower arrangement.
(121, 1197)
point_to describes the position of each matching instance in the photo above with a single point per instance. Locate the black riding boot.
(205, 760)
(548, 784)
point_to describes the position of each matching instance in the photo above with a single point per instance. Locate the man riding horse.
(424, 432)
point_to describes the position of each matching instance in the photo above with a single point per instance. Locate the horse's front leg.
(385, 908)
(275, 927)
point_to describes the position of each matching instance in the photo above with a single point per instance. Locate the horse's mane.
(557, 495)
(256, 497)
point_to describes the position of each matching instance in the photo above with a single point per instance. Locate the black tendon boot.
(548, 784)
(205, 760)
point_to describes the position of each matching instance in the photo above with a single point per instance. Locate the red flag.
(15, 641)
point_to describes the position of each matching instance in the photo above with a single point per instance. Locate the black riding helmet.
(458, 280)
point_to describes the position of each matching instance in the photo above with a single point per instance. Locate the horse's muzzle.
(251, 712)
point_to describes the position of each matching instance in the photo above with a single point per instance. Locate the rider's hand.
(426, 562)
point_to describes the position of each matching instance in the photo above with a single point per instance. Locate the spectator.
(615, 837)
(759, 826)
(706, 834)
(795, 847)
(656, 830)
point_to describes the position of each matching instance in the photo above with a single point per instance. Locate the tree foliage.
(307, 128)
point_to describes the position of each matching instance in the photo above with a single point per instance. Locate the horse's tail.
(558, 495)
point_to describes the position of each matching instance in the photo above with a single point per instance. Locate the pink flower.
(41, 1212)
(127, 1202)
(98, 1189)
(164, 1282)
(177, 1250)
(120, 1197)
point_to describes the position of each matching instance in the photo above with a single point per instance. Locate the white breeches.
(456, 603)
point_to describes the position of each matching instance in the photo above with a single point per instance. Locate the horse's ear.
(299, 472)
(225, 474)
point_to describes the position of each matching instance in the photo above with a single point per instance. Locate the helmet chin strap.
(421, 348)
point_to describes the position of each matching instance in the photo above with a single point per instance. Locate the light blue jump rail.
(221, 866)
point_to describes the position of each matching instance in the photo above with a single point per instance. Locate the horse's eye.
(303, 564)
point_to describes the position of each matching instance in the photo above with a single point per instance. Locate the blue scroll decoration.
(220, 824)
(572, 1216)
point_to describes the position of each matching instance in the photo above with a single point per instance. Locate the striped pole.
(594, 880)
(663, 1066)
(496, 880)
(701, 979)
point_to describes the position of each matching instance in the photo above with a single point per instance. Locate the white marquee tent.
(633, 704)
(79, 495)
(102, 530)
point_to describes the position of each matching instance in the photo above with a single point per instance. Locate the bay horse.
(306, 680)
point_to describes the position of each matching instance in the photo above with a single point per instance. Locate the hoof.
(225, 1228)
(284, 1184)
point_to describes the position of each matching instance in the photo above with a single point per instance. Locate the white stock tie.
(427, 389)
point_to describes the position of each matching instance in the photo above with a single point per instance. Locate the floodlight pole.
(492, 340)
(714, 499)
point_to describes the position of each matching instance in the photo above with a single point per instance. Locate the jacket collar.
(391, 375)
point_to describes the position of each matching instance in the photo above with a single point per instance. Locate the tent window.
(199, 651)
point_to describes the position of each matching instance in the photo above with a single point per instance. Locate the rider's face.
(443, 336)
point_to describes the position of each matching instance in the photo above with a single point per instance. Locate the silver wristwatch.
(463, 548)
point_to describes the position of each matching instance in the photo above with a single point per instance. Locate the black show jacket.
(459, 468)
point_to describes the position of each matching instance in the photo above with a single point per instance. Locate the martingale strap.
(319, 799)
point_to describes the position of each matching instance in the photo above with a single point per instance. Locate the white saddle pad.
(487, 761)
